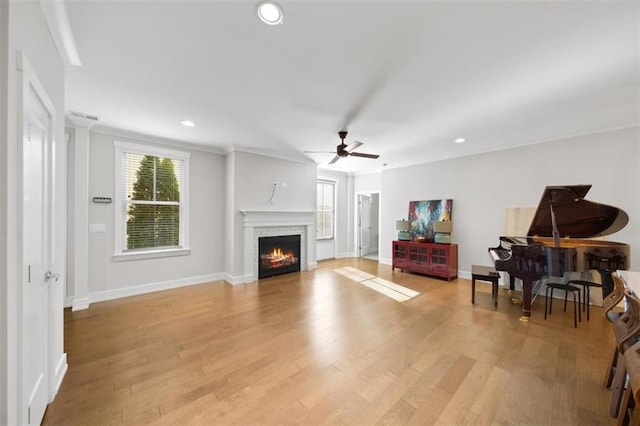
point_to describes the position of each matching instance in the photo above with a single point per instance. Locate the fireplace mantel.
(276, 218)
(258, 223)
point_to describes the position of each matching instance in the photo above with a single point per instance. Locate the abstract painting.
(422, 214)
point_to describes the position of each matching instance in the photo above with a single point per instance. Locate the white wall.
(253, 177)
(220, 187)
(70, 259)
(229, 215)
(483, 186)
(109, 279)
(4, 189)
(367, 183)
(23, 28)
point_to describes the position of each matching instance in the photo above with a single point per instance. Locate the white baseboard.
(61, 370)
(240, 279)
(384, 261)
(80, 304)
(102, 296)
(247, 279)
(68, 302)
(464, 274)
(345, 254)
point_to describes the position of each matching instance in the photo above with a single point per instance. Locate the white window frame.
(120, 205)
(333, 212)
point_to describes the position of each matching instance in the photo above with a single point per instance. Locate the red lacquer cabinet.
(439, 260)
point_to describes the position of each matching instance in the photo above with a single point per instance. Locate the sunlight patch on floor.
(382, 286)
(354, 273)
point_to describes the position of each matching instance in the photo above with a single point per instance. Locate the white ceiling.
(406, 78)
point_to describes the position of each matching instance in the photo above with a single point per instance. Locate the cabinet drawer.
(442, 270)
(400, 263)
(422, 267)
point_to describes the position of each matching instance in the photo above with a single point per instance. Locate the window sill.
(324, 238)
(151, 254)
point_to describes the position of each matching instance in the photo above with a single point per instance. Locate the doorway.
(368, 225)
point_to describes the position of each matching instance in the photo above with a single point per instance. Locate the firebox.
(278, 255)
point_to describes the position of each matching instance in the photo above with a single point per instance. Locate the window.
(151, 202)
(326, 209)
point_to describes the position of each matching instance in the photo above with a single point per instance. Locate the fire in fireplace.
(278, 255)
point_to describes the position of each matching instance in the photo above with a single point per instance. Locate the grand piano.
(557, 242)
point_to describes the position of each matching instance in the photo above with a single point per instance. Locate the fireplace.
(278, 255)
(257, 224)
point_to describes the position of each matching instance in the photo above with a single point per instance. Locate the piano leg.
(527, 288)
(512, 282)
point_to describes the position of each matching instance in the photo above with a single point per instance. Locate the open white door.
(364, 224)
(37, 128)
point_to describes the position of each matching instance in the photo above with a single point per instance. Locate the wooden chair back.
(613, 299)
(628, 410)
(627, 328)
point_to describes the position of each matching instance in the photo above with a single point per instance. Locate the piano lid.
(575, 216)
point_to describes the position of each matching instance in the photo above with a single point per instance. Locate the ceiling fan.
(344, 150)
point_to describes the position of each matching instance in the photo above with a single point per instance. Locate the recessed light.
(460, 140)
(270, 12)
(188, 123)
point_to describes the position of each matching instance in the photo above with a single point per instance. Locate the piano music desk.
(488, 274)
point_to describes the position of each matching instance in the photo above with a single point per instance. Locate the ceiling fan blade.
(336, 158)
(360, 154)
(373, 88)
(353, 145)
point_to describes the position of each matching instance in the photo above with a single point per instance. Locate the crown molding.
(127, 134)
(55, 14)
(294, 156)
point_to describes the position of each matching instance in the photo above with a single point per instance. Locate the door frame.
(356, 222)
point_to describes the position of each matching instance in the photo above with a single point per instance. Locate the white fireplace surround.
(258, 224)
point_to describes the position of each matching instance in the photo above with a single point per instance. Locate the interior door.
(364, 203)
(37, 134)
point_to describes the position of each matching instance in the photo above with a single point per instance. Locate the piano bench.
(548, 300)
(488, 274)
(586, 286)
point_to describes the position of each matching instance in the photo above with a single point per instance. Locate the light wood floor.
(315, 347)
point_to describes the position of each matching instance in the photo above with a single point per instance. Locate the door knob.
(48, 275)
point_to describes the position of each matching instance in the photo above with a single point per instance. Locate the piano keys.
(557, 241)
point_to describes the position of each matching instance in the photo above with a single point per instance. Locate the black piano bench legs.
(575, 291)
(586, 286)
(488, 274)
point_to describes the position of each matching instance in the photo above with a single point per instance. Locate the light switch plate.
(97, 227)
